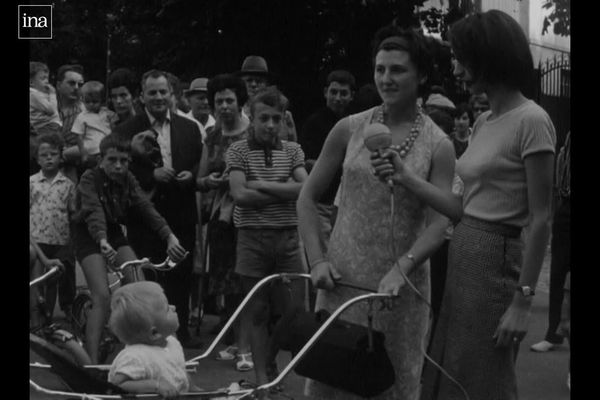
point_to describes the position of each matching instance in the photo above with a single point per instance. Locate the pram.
(90, 382)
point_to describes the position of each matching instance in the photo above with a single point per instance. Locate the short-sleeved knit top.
(493, 166)
(274, 165)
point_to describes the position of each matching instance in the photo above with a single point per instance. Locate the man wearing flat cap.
(255, 73)
(197, 96)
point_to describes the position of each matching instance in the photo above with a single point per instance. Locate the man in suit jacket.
(168, 175)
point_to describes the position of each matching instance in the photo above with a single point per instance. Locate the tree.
(438, 21)
(559, 17)
(301, 40)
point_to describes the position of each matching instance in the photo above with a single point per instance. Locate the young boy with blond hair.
(91, 125)
(152, 360)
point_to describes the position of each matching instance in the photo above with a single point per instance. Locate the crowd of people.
(218, 177)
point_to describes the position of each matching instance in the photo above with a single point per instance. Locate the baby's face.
(93, 102)
(165, 318)
(40, 81)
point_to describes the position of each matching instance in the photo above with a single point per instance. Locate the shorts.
(263, 252)
(63, 253)
(85, 245)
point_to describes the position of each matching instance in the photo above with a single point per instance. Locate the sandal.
(228, 354)
(244, 362)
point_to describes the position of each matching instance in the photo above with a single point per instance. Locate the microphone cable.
(419, 294)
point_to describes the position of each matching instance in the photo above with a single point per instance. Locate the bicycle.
(53, 332)
(83, 301)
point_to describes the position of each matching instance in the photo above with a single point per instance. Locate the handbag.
(347, 356)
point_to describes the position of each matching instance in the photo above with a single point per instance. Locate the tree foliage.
(559, 17)
(301, 40)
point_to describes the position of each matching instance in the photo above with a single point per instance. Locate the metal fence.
(553, 92)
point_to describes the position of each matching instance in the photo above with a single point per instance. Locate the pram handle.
(257, 287)
(48, 274)
(240, 308)
(353, 286)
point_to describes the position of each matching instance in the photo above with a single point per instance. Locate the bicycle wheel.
(81, 307)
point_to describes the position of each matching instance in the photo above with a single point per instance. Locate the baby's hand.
(166, 390)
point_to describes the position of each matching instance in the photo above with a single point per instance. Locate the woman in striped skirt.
(507, 175)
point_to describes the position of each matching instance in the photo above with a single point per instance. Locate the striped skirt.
(484, 264)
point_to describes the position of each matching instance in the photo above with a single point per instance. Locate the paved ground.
(540, 376)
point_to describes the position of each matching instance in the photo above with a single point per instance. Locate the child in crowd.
(106, 195)
(265, 177)
(51, 206)
(152, 360)
(43, 107)
(91, 125)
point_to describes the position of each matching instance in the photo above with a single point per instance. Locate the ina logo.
(35, 21)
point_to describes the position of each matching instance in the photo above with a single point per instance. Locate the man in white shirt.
(179, 104)
(172, 180)
(197, 96)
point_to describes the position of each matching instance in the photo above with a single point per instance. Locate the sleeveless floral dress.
(363, 248)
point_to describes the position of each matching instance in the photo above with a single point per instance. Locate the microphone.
(378, 137)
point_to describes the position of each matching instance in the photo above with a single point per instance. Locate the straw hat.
(197, 85)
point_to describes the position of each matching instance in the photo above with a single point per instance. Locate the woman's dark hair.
(413, 42)
(227, 81)
(124, 77)
(461, 109)
(494, 48)
(114, 141)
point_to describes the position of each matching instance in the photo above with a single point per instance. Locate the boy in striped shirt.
(265, 178)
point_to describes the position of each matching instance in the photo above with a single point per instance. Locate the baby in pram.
(152, 360)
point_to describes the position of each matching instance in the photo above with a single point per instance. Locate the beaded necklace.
(409, 141)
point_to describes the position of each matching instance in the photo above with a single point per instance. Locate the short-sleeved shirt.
(275, 165)
(43, 108)
(49, 204)
(493, 166)
(141, 361)
(67, 118)
(93, 127)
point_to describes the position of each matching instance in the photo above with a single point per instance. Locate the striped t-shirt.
(274, 165)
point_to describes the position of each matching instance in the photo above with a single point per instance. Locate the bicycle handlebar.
(166, 265)
(45, 276)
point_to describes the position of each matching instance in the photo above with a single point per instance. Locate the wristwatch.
(526, 291)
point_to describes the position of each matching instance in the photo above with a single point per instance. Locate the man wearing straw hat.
(197, 96)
